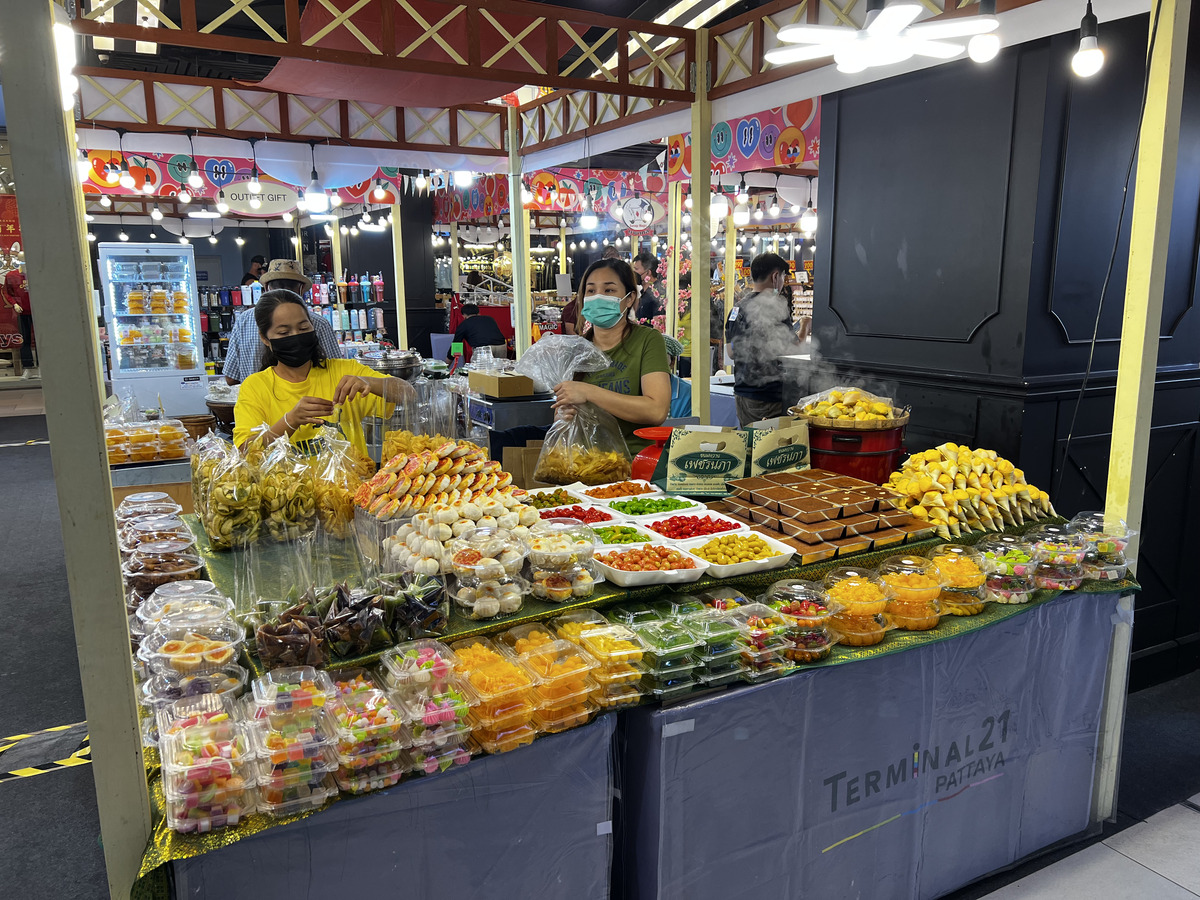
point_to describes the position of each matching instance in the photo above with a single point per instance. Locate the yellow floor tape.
(81, 757)
(12, 740)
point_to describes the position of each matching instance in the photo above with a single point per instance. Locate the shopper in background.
(244, 355)
(16, 295)
(651, 303)
(248, 278)
(298, 390)
(478, 331)
(258, 265)
(759, 332)
(610, 252)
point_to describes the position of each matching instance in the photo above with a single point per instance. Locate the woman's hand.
(565, 413)
(572, 393)
(349, 387)
(309, 411)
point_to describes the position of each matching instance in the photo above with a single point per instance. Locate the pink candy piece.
(431, 765)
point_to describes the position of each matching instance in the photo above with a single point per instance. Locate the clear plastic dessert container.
(803, 603)
(666, 641)
(1059, 545)
(522, 638)
(1051, 577)
(159, 691)
(715, 633)
(185, 651)
(613, 644)
(1009, 589)
(1007, 554)
(359, 780)
(552, 720)
(860, 592)
(1105, 566)
(487, 554)
(961, 567)
(573, 625)
(435, 760)
(503, 738)
(618, 696)
(418, 665)
(293, 689)
(482, 599)
(576, 581)
(282, 802)
(760, 626)
(1107, 537)
(911, 579)
(558, 543)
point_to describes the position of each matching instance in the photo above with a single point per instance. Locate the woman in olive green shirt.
(636, 388)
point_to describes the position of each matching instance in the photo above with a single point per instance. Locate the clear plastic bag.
(232, 514)
(208, 453)
(336, 480)
(587, 446)
(286, 482)
(847, 404)
(560, 357)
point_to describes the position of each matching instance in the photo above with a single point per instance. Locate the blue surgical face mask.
(602, 311)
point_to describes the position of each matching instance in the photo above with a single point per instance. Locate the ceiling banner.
(10, 224)
(788, 137)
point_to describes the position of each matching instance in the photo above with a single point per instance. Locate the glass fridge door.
(150, 295)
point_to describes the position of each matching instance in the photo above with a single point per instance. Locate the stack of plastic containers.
(915, 587)
(1008, 564)
(172, 437)
(191, 608)
(862, 597)
(762, 642)
(1105, 559)
(561, 560)
(293, 739)
(1060, 551)
(147, 529)
(808, 611)
(142, 439)
(632, 614)
(424, 683)
(679, 607)
(487, 563)
(565, 687)
(146, 503)
(371, 738)
(668, 658)
(208, 767)
(156, 563)
(963, 578)
(505, 689)
(618, 651)
(718, 657)
(116, 445)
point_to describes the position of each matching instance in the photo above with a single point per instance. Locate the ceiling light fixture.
(156, 213)
(335, 200)
(91, 237)
(774, 210)
(83, 166)
(888, 37)
(421, 181)
(184, 240)
(105, 201)
(758, 212)
(743, 195)
(984, 47)
(222, 206)
(808, 220)
(204, 212)
(463, 178)
(287, 217)
(741, 215)
(194, 180)
(315, 197)
(1089, 58)
(379, 193)
(184, 195)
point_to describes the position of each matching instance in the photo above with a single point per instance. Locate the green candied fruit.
(622, 534)
(677, 609)
(650, 506)
(665, 635)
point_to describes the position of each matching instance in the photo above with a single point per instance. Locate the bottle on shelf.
(342, 288)
(352, 290)
(377, 287)
(255, 292)
(364, 288)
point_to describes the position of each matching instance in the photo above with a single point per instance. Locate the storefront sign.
(10, 224)
(275, 198)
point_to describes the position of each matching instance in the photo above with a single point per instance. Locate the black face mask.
(296, 349)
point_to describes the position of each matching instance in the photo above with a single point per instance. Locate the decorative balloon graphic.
(785, 136)
(220, 172)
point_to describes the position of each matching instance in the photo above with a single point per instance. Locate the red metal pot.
(869, 455)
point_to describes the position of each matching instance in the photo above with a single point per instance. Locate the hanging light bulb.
(212, 238)
(808, 221)
(184, 195)
(741, 215)
(255, 203)
(254, 186)
(984, 47)
(774, 210)
(589, 221)
(345, 230)
(91, 237)
(105, 201)
(335, 200)
(758, 213)
(222, 206)
(83, 167)
(463, 178)
(421, 181)
(594, 245)
(194, 179)
(526, 196)
(184, 240)
(795, 208)
(239, 240)
(1089, 58)
(122, 236)
(687, 203)
(719, 207)
(125, 178)
(572, 245)
(379, 193)
(315, 198)
(353, 231)
(605, 242)
(293, 240)
(742, 194)
(687, 219)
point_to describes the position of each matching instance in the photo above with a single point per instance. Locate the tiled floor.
(1154, 859)
(26, 402)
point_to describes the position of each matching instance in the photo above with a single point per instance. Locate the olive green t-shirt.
(642, 352)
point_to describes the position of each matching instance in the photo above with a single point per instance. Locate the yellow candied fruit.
(734, 549)
(856, 590)
(498, 677)
(532, 641)
(912, 580)
(476, 656)
(573, 631)
(603, 647)
(961, 571)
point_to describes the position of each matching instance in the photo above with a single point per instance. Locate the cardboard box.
(778, 445)
(521, 463)
(500, 384)
(701, 458)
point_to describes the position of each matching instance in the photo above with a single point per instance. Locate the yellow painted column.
(519, 219)
(701, 226)
(1150, 230)
(298, 242)
(562, 246)
(674, 213)
(1138, 362)
(398, 274)
(335, 244)
(455, 274)
(43, 153)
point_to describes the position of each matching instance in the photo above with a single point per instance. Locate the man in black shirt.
(759, 332)
(650, 303)
(479, 331)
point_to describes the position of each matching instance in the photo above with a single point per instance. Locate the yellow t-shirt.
(264, 397)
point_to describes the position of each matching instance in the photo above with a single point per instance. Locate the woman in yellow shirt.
(298, 389)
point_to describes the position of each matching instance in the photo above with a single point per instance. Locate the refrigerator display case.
(153, 317)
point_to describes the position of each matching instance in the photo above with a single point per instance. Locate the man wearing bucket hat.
(244, 356)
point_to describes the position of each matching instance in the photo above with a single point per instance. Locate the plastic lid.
(366, 716)
(1095, 527)
(632, 615)
(679, 607)
(160, 549)
(998, 545)
(573, 625)
(758, 621)
(500, 680)
(486, 553)
(711, 627)
(429, 705)
(149, 510)
(961, 567)
(185, 651)
(418, 663)
(561, 542)
(161, 690)
(199, 612)
(612, 644)
(852, 585)
(803, 602)
(293, 688)
(208, 716)
(558, 662)
(524, 638)
(666, 637)
(144, 498)
(476, 652)
(182, 590)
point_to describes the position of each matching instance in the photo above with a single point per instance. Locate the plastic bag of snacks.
(289, 505)
(232, 515)
(208, 452)
(336, 480)
(587, 446)
(559, 357)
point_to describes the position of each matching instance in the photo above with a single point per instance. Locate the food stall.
(1043, 610)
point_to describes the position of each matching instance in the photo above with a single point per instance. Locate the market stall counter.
(914, 772)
